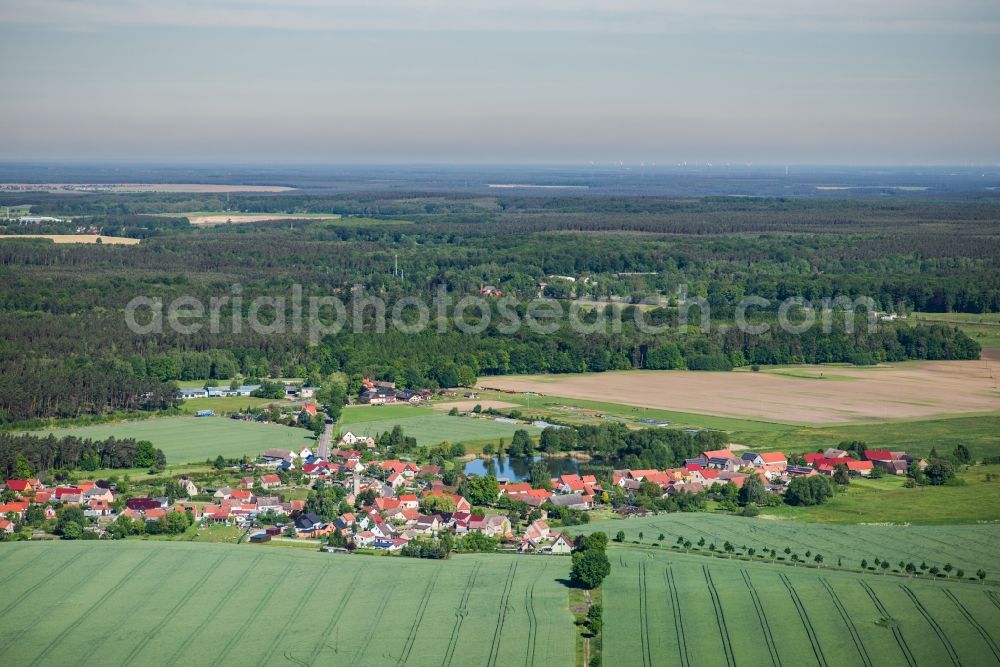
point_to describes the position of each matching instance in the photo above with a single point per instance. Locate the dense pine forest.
(65, 350)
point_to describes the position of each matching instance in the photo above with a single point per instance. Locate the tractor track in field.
(31, 589)
(421, 608)
(772, 647)
(266, 658)
(984, 633)
(993, 598)
(95, 605)
(948, 646)
(644, 618)
(846, 617)
(463, 609)
(259, 607)
(334, 619)
(373, 626)
(137, 649)
(675, 607)
(502, 617)
(140, 601)
(727, 647)
(215, 610)
(529, 605)
(806, 623)
(896, 632)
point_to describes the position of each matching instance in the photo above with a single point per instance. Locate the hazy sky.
(779, 81)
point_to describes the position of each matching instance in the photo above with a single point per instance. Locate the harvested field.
(910, 390)
(75, 238)
(226, 218)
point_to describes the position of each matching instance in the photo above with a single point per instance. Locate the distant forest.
(66, 352)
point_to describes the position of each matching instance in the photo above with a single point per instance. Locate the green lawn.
(166, 603)
(229, 404)
(663, 608)
(194, 439)
(430, 427)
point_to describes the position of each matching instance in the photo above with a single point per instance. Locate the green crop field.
(430, 428)
(194, 439)
(664, 608)
(969, 546)
(372, 413)
(984, 328)
(160, 603)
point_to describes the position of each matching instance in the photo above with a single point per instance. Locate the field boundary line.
(215, 610)
(806, 623)
(764, 625)
(675, 607)
(334, 619)
(934, 625)
(259, 607)
(373, 626)
(842, 610)
(306, 599)
(896, 632)
(421, 608)
(502, 616)
(460, 615)
(719, 617)
(95, 605)
(976, 624)
(137, 649)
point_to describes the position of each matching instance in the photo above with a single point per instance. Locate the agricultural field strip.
(156, 629)
(21, 596)
(806, 623)
(175, 568)
(765, 626)
(57, 640)
(896, 631)
(675, 608)
(345, 600)
(529, 604)
(265, 659)
(983, 632)
(900, 544)
(419, 617)
(938, 630)
(14, 639)
(720, 618)
(848, 623)
(261, 604)
(644, 649)
(373, 626)
(460, 613)
(502, 615)
(219, 605)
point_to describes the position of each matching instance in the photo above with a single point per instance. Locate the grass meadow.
(164, 603)
(428, 426)
(663, 608)
(194, 439)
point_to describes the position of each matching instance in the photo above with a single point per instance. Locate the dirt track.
(910, 390)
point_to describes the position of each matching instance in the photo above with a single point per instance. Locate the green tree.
(841, 475)
(753, 491)
(21, 468)
(939, 471)
(961, 454)
(589, 568)
(481, 490)
(808, 491)
(72, 531)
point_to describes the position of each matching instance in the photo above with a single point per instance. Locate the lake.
(516, 470)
